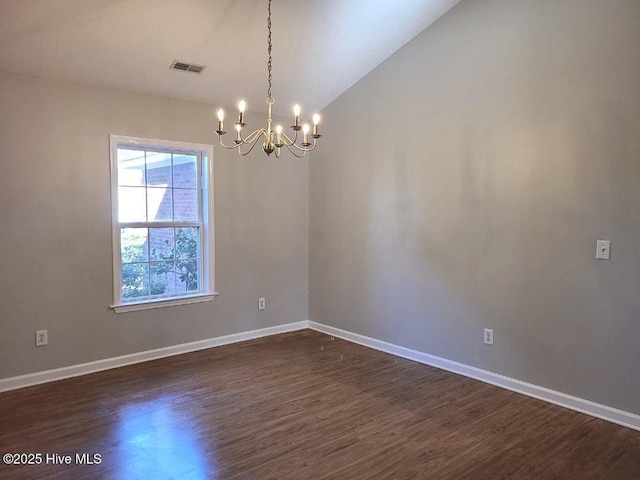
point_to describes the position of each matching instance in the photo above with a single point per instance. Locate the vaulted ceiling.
(320, 47)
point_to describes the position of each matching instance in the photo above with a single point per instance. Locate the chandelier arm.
(286, 140)
(302, 149)
(292, 142)
(242, 154)
(228, 147)
(251, 139)
(296, 154)
(253, 136)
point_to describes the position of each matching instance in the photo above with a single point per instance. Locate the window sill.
(149, 304)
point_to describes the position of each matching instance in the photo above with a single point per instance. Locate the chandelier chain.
(269, 51)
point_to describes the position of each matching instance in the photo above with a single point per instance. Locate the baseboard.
(604, 412)
(588, 407)
(28, 380)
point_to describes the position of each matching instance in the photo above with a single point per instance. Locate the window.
(162, 213)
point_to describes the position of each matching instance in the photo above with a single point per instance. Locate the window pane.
(185, 204)
(161, 243)
(160, 204)
(187, 275)
(131, 167)
(135, 280)
(132, 204)
(187, 242)
(159, 193)
(185, 171)
(159, 169)
(163, 278)
(134, 245)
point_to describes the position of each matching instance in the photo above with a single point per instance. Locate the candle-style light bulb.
(220, 119)
(305, 131)
(241, 106)
(316, 120)
(278, 135)
(296, 115)
(238, 130)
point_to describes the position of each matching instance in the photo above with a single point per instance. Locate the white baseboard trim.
(13, 383)
(604, 412)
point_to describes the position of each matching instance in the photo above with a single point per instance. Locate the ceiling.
(320, 47)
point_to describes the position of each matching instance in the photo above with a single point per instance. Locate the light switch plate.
(603, 249)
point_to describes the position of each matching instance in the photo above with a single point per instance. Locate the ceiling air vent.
(187, 67)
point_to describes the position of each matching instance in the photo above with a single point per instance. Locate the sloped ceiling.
(320, 47)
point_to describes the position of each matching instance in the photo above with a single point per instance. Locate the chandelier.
(273, 140)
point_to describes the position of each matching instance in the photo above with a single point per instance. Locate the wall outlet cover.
(42, 338)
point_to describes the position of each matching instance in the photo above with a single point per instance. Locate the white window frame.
(208, 291)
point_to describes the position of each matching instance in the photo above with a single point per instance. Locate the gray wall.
(460, 185)
(464, 182)
(55, 221)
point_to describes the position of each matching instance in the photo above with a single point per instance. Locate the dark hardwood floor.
(301, 406)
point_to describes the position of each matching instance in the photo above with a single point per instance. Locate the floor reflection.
(157, 437)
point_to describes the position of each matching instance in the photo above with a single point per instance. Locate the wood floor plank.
(303, 405)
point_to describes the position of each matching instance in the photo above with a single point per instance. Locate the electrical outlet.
(488, 336)
(262, 303)
(42, 338)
